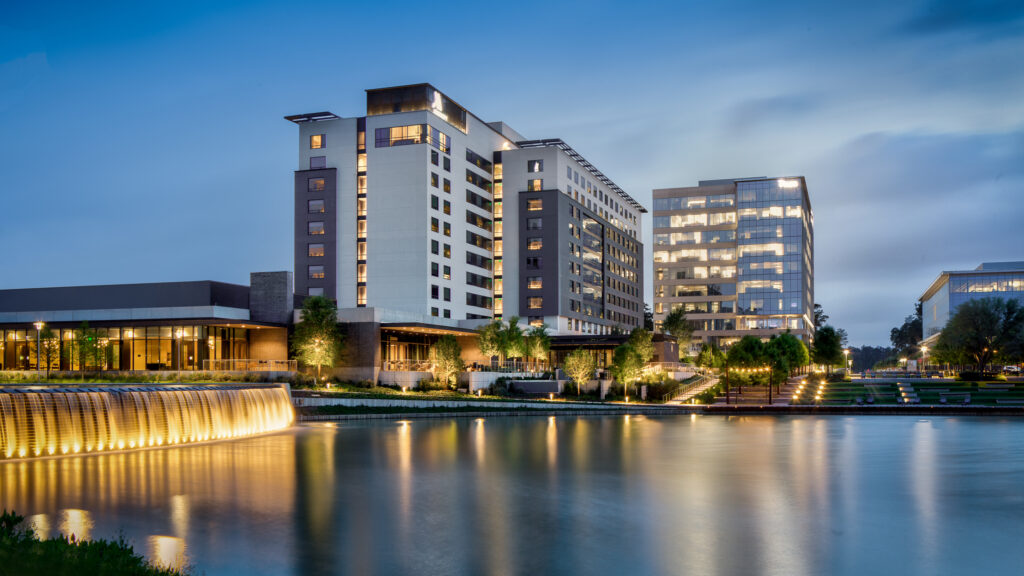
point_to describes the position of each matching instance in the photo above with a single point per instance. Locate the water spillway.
(41, 421)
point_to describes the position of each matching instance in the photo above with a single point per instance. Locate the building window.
(447, 164)
(534, 165)
(434, 247)
(316, 272)
(360, 295)
(399, 135)
(434, 291)
(535, 303)
(435, 202)
(447, 273)
(534, 262)
(316, 207)
(316, 291)
(317, 141)
(478, 181)
(435, 270)
(361, 250)
(534, 283)
(447, 250)
(447, 313)
(360, 272)
(534, 243)
(447, 186)
(316, 228)
(434, 156)
(433, 179)
(534, 185)
(534, 223)
(447, 294)
(315, 250)
(317, 162)
(433, 311)
(447, 229)
(361, 229)
(536, 321)
(435, 225)
(534, 204)
(447, 207)
(316, 184)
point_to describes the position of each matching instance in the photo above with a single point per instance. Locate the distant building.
(737, 256)
(952, 288)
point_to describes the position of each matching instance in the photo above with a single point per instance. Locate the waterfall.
(52, 421)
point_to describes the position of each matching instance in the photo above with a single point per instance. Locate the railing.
(251, 365)
(407, 366)
(683, 388)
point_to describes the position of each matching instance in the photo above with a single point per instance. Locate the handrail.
(683, 388)
(247, 365)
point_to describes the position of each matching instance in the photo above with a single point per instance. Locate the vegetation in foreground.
(22, 553)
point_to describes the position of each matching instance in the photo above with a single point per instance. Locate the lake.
(558, 495)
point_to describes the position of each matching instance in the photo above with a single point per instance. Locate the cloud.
(754, 113)
(941, 16)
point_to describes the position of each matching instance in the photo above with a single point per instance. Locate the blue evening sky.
(144, 141)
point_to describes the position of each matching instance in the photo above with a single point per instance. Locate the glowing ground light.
(36, 421)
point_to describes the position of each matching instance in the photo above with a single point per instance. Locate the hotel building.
(737, 256)
(953, 288)
(430, 216)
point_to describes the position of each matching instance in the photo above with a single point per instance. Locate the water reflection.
(600, 495)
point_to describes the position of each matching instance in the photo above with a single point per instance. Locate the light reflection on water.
(602, 495)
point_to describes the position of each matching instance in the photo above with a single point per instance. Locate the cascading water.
(51, 421)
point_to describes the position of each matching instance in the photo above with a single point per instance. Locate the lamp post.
(39, 327)
(903, 362)
(846, 362)
(924, 354)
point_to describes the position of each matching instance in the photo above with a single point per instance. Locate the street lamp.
(924, 354)
(903, 362)
(39, 327)
(846, 364)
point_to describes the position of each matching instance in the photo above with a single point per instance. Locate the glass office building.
(737, 256)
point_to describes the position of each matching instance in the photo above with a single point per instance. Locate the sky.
(145, 142)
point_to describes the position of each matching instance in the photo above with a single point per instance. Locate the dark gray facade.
(122, 296)
(271, 297)
(589, 270)
(308, 188)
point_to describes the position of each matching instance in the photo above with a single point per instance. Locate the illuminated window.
(434, 179)
(360, 272)
(361, 207)
(447, 187)
(534, 204)
(535, 283)
(361, 229)
(498, 171)
(360, 295)
(360, 250)
(534, 185)
(447, 229)
(316, 207)
(447, 273)
(316, 228)
(361, 184)
(447, 250)
(447, 206)
(315, 250)
(399, 135)
(534, 243)
(435, 225)
(534, 165)
(316, 272)
(361, 162)
(317, 141)
(316, 184)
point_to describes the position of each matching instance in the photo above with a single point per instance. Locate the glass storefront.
(123, 347)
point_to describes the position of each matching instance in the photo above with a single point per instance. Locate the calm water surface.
(586, 495)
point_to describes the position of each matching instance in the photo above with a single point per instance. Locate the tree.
(866, 357)
(710, 356)
(749, 352)
(983, 331)
(49, 347)
(828, 348)
(676, 325)
(580, 366)
(626, 365)
(446, 356)
(648, 318)
(491, 339)
(317, 340)
(538, 343)
(786, 353)
(641, 341)
(905, 337)
(515, 343)
(820, 318)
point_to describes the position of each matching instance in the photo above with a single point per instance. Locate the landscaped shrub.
(971, 376)
(427, 385)
(708, 396)
(499, 387)
(838, 377)
(300, 380)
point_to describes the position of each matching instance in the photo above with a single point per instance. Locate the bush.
(972, 376)
(300, 380)
(499, 387)
(429, 385)
(838, 377)
(708, 396)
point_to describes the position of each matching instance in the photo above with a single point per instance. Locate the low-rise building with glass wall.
(954, 287)
(160, 326)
